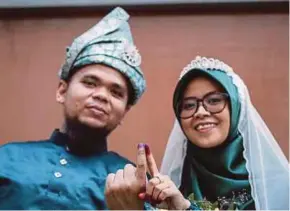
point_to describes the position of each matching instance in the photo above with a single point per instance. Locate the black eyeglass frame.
(200, 101)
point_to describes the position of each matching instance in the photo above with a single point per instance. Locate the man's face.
(96, 97)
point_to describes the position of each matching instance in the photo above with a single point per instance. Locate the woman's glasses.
(213, 102)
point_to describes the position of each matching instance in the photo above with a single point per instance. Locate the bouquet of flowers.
(222, 203)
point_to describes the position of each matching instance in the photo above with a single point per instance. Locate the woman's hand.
(161, 190)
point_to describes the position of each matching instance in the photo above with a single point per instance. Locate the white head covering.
(266, 164)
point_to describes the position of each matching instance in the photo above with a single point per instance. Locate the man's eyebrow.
(91, 77)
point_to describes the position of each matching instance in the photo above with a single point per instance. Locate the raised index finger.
(152, 167)
(141, 164)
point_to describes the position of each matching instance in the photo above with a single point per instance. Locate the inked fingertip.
(141, 145)
(147, 149)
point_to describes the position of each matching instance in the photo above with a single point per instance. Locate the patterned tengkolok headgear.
(109, 42)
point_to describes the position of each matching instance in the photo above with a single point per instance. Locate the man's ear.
(61, 91)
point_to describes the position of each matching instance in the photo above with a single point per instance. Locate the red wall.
(32, 51)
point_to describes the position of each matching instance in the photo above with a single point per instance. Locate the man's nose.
(102, 94)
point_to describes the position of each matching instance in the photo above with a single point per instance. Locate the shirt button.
(63, 162)
(57, 174)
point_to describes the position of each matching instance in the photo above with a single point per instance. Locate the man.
(99, 82)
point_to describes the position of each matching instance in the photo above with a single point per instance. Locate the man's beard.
(85, 139)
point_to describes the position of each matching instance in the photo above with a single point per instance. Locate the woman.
(220, 148)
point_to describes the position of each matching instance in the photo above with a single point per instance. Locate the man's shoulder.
(17, 145)
(119, 157)
(116, 159)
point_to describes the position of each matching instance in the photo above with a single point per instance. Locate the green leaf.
(191, 197)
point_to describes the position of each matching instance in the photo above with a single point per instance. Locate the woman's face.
(205, 129)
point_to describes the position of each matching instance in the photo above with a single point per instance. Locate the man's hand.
(122, 188)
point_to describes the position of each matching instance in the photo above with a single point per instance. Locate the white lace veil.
(267, 166)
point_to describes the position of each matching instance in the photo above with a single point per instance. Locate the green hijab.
(220, 171)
